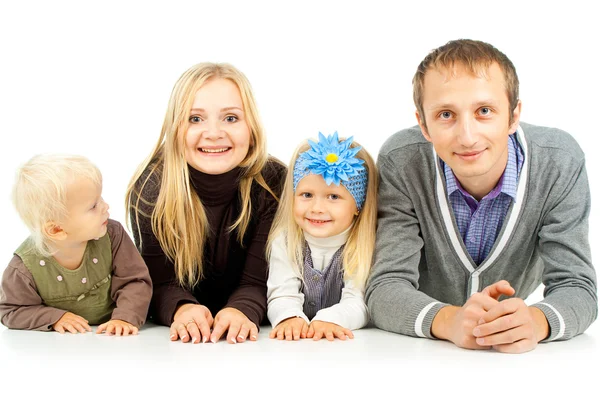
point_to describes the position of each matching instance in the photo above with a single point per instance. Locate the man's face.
(467, 121)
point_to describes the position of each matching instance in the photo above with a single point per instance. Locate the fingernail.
(480, 341)
(204, 339)
(194, 340)
(233, 340)
(172, 336)
(213, 340)
(253, 336)
(241, 337)
(481, 321)
(476, 332)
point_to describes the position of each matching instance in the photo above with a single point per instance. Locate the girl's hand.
(318, 329)
(292, 329)
(117, 327)
(72, 323)
(191, 321)
(239, 326)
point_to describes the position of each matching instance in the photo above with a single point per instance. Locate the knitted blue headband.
(336, 162)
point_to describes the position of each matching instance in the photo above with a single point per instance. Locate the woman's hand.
(191, 321)
(290, 329)
(329, 330)
(240, 327)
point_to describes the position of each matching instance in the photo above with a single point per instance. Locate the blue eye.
(446, 115)
(195, 119)
(485, 111)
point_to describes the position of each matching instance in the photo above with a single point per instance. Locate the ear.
(516, 119)
(423, 126)
(54, 232)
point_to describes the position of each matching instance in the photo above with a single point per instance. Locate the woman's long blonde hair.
(178, 218)
(358, 252)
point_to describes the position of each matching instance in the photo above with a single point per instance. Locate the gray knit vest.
(322, 289)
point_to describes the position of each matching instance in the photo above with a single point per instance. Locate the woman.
(201, 207)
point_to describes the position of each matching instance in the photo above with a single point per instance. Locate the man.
(475, 210)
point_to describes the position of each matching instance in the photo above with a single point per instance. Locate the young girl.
(201, 207)
(322, 241)
(78, 267)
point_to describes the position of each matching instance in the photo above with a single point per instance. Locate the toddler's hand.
(329, 330)
(117, 327)
(72, 323)
(292, 329)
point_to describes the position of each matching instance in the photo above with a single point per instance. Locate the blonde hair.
(476, 57)
(178, 218)
(40, 191)
(358, 252)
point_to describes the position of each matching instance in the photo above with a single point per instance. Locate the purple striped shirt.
(480, 222)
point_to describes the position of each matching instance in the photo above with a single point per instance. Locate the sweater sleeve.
(392, 293)
(131, 288)
(250, 297)
(351, 312)
(21, 307)
(284, 296)
(570, 301)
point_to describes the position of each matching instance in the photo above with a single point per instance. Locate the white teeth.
(213, 150)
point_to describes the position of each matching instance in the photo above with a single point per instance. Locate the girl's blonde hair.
(178, 218)
(358, 252)
(40, 192)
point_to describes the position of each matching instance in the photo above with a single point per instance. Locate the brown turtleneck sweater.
(234, 276)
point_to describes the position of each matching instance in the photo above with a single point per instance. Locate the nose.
(213, 130)
(105, 206)
(467, 132)
(317, 205)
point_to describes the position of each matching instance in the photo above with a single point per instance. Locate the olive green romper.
(84, 291)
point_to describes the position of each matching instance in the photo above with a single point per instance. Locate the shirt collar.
(508, 181)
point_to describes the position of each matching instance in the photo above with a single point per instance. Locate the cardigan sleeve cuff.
(556, 322)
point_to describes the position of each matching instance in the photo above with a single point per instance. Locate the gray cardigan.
(421, 263)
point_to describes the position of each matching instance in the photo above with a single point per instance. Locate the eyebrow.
(222, 109)
(488, 102)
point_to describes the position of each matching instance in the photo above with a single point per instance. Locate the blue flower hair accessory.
(336, 162)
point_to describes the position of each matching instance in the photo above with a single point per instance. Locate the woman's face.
(218, 137)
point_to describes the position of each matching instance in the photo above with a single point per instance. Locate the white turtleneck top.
(285, 298)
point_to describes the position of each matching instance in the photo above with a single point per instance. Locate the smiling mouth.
(215, 150)
(318, 221)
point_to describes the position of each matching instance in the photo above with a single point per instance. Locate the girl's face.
(322, 210)
(218, 137)
(87, 212)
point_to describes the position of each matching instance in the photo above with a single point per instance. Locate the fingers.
(178, 331)
(194, 331)
(522, 333)
(204, 327)
(253, 333)
(234, 330)
(499, 288)
(518, 347)
(191, 322)
(502, 317)
(220, 327)
(72, 323)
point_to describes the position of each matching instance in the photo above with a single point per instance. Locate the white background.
(94, 78)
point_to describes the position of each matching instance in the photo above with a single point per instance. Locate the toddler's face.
(218, 137)
(322, 210)
(87, 211)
